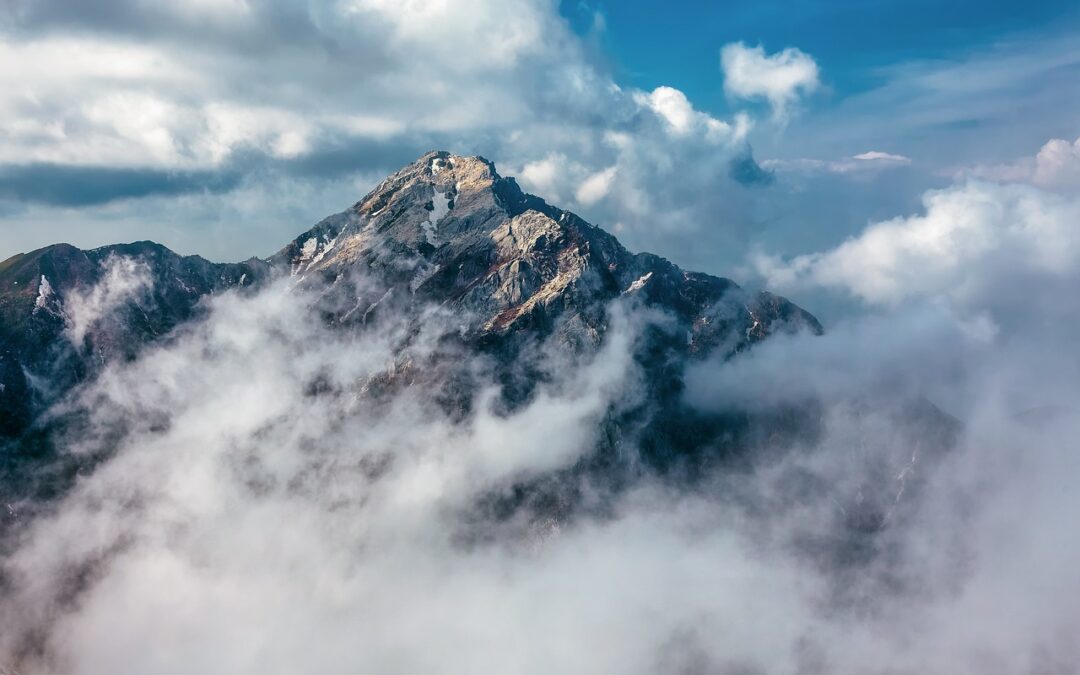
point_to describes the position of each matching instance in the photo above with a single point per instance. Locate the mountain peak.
(449, 229)
(441, 169)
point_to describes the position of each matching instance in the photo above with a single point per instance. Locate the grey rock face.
(450, 230)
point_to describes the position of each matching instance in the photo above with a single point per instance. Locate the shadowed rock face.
(445, 231)
(62, 317)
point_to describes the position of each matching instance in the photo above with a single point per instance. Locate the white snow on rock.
(441, 202)
(322, 252)
(311, 253)
(639, 283)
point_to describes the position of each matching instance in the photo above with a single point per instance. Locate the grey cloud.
(62, 185)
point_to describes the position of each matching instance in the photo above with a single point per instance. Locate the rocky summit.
(445, 231)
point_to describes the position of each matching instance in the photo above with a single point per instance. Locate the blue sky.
(861, 47)
(225, 127)
(854, 41)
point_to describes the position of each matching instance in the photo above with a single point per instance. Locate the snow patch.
(441, 202)
(311, 253)
(322, 253)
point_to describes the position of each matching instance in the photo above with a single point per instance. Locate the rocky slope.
(450, 230)
(445, 231)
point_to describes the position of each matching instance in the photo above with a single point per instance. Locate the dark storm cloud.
(271, 25)
(59, 185)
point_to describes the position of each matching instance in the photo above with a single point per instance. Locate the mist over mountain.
(445, 236)
(455, 428)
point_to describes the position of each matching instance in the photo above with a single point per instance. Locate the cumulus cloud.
(682, 119)
(1055, 167)
(971, 246)
(780, 78)
(949, 583)
(595, 187)
(1058, 164)
(973, 318)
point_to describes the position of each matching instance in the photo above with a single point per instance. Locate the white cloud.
(1055, 167)
(467, 35)
(139, 100)
(979, 247)
(596, 187)
(878, 156)
(780, 78)
(682, 120)
(543, 176)
(673, 106)
(1058, 165)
